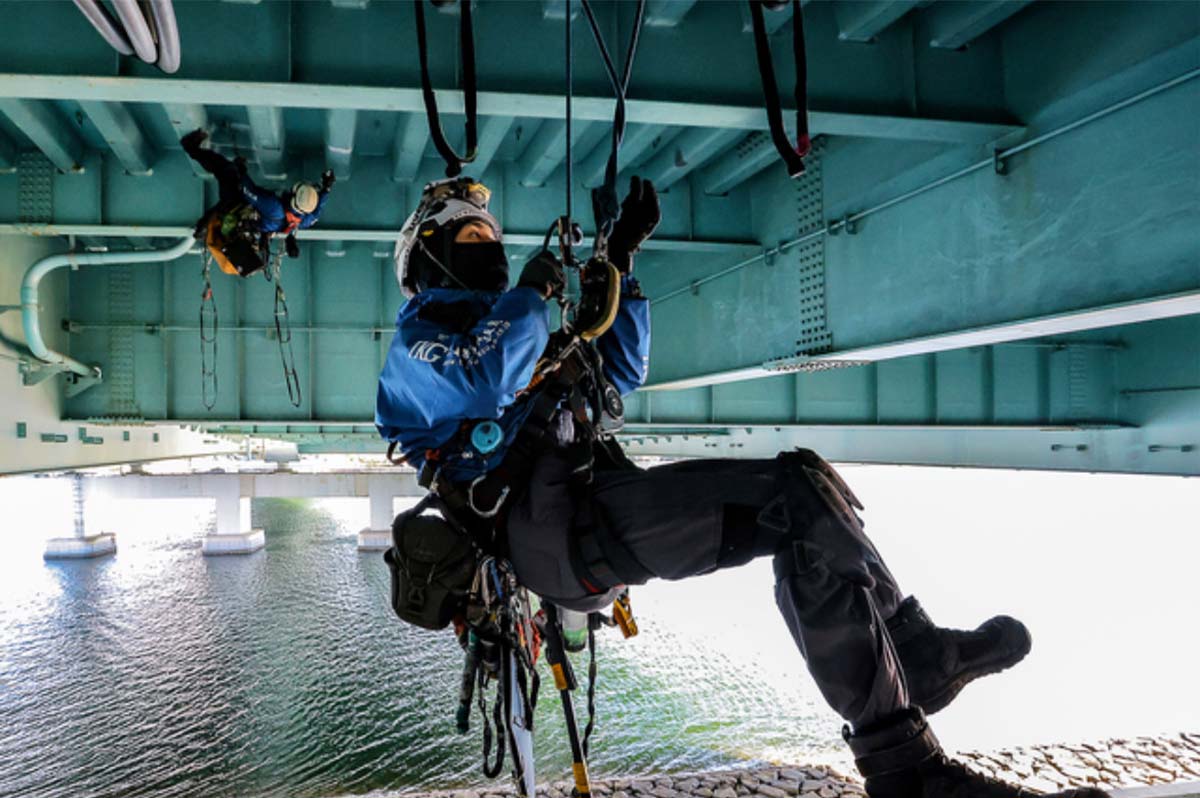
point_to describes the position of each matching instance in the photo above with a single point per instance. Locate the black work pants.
(695, 517)
(229, 177)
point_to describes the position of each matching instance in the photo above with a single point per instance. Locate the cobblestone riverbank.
(1116, 763)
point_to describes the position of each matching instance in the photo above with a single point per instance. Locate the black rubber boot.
(192, 141)
(938, 663)
(900, 758)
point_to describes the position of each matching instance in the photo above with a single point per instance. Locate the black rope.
(283, 332)
(491, 769)
(591, 691)
(565, 228)
(208, 335)
(793, 157)
(454, 161)
(605, 205)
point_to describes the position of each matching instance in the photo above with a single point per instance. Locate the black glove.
(544, 273)
(293, 248)
(328, 178)
(640, 214)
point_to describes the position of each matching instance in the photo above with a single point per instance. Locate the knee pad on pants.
(818, 526)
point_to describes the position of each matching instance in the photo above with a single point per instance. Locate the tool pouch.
(432, 565)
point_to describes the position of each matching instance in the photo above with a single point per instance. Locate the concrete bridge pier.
(381, 492)
(233, 534)
(84, 542)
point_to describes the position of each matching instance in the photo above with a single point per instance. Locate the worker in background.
(580, 525)
(297, 209)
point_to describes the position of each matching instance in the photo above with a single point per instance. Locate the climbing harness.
(283, 331)
(232, 239)
(454, 161)
(793, 157)
(208, 338)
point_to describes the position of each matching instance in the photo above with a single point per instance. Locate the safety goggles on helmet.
(445, 205)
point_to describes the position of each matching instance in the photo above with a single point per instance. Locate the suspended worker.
(248, 210)
(580, 521)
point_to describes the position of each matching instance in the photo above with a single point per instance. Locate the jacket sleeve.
(474, 374)
(626, 346)
(266, 203)
(311, 218)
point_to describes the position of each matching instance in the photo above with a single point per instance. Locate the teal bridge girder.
(913, 298)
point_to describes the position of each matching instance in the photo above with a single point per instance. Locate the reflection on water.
(162, 672)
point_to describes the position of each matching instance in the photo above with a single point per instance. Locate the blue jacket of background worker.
(440, 374)
(275, 217)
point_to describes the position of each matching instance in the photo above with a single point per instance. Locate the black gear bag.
(432, 565)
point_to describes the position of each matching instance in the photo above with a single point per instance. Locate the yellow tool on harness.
(623, 615)
(601, 288)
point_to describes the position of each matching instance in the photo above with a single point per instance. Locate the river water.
(162, 672)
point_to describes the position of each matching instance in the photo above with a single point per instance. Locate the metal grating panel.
(35, 188)
(120, 372)
(786, 365)
(814, 337)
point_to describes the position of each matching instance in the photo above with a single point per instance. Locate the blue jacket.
(273, 214)
(437, 377)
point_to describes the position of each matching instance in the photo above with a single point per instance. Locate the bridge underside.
(913, 298)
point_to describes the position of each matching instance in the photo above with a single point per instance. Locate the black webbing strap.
(793, 157)
(605, 205)
(454, 162)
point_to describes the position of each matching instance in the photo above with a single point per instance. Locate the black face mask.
(480, 266)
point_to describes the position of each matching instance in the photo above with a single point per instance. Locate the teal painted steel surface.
(903, 246)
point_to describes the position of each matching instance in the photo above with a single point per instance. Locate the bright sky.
(1102, 568)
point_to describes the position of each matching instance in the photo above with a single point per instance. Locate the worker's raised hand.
(328, 178)
(544, 273)
(640, 214)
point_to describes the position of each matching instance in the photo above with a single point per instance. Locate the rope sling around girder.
(605, 205)
(466, 36)
(793, 157)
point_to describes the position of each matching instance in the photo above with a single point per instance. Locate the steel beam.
(340, 124)
(1109, 448)
(667, 13)
(773, 19)
(689, 151)
(412, 135)
(269, 138)
(955, 25)
(49, 132)
(121, 132)
(548, 149)
(557, 9)
(533, 239)
(491, 135)
(184, 118)
(1150, 309)
(544, 106)
(863, 20)
(638, 139)
(752, 155)
(8, 154)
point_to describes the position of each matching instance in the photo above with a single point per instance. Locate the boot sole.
(1017, 637)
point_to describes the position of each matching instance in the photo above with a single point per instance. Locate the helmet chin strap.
(440, 265)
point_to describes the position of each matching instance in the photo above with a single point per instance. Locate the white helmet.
(444, 205)
(304, 197)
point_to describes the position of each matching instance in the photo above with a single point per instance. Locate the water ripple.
(161, 672)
